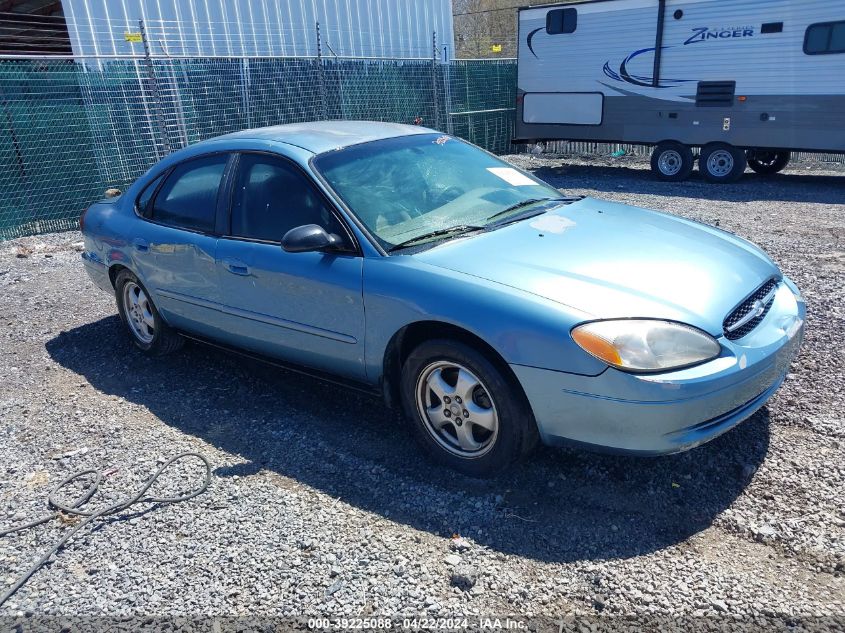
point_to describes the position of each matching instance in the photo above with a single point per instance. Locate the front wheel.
(464, 411)
(148, 330)
(767, 162)
(672, 161)
(721, 162)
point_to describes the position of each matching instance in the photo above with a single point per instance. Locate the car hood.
(614, 260)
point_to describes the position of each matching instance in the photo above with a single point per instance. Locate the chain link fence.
(72, 128)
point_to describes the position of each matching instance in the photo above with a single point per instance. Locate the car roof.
(323, 136)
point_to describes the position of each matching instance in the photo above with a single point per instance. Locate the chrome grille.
(748, 314)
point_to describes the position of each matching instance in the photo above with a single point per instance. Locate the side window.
(188, 198)
(561, 21)
(142, 204)
(271, 197)
(825, 39)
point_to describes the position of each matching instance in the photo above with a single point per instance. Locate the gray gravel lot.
(321, 505)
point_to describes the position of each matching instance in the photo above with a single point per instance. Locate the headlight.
(644, 344)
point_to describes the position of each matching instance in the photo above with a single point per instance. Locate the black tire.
(766, 161)
(721, 163)
(516, 434)
(672, 161)
(164, 339)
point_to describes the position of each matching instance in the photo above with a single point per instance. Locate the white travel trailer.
(744, 80)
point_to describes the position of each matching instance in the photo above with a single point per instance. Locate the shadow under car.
(559, 505)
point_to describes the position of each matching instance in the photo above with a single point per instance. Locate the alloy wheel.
(457, 409)
(139, 312)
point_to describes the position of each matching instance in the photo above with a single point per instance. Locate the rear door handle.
(236, 267)
(141, 245)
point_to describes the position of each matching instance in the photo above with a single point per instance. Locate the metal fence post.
(15, 142)
(157, 109)
(434, 92)
(245, 79)
(321, 80)
(447, 89)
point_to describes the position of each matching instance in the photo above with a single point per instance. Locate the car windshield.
(423, 187)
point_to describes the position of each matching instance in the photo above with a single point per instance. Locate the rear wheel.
(721, 162)
(464, 411)
(766, 161)
(148, 330)
(671, 161)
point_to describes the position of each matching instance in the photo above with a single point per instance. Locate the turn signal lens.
(597, 346)
(645, 344)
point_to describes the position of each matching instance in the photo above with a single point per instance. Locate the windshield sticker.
(552, 224)
(441, 140)
(511, 176)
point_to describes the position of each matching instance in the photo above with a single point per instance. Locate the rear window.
(188, 198)
(561, 21)
(826, 38)
(143, 203)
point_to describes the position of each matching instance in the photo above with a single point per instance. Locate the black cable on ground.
(74, 509)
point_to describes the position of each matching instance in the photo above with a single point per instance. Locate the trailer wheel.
(765, 161)
(672, 161)
(721, 162)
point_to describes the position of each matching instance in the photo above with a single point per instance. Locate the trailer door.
(574, 58)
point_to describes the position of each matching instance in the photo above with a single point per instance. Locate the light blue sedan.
(496, 311)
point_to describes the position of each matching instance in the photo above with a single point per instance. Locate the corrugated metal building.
(245, 28)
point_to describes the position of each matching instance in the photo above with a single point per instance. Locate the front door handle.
(141, 245)
(236, 267)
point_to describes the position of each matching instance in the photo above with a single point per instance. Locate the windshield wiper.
(456, 230)
(528, 203)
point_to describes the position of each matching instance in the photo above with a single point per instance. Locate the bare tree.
(487, 28)
(481, 26)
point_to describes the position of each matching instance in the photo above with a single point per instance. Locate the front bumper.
(673, 411)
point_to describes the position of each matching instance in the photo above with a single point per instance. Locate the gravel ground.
(320, 505)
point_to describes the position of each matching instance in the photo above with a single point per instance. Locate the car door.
(175, 249)
(306, 308)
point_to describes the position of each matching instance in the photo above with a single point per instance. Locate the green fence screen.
(72, 128)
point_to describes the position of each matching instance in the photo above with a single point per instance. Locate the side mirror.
(308, 238)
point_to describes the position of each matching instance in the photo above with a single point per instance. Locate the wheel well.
(406, 339)
(667, 141)
(670, 140)
(113, 272)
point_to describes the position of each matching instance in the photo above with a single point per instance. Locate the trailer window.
(561, 21)
(825, 38)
